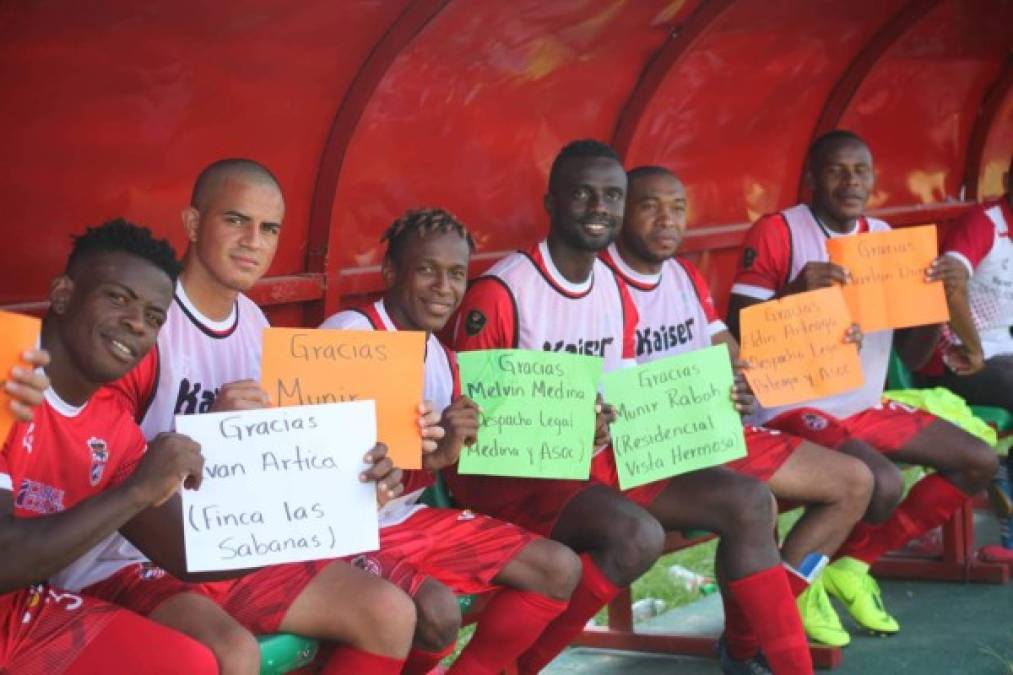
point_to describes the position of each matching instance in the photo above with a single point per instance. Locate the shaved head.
(212, 178)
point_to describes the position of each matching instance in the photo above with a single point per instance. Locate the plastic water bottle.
(691, 581)
(645, 608)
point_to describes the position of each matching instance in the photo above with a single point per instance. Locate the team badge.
(99, 458)
(368, 564)
(815, 422)
(475, 322)
(748, 257)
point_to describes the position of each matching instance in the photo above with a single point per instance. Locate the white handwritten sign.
(280, 485)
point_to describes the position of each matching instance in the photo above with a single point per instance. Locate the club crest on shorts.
(99, 457)
(149, 572)
(814, 421)
(368, 563)
(474, 322)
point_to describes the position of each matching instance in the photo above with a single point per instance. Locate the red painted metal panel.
(471, 113)
(111, 108)
(991, 144)
(917, 107)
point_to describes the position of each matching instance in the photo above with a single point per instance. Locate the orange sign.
(796, 350)
(17, 333)
(303, 367)
(888, 287)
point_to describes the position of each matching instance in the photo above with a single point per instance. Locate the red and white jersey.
(67, 454)
(981, 241)
(524, 302)
(675, 306)
(776, 249)
(193, 358)
(441, 386)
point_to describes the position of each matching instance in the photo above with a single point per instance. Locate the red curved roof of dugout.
(367, 107)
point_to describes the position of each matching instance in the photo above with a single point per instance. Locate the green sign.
(537, 412)
(674, 415)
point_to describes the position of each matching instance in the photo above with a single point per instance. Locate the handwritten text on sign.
(887, 288)
(280, 485)
(537, 413)
(331, 366)
(673, 415)
(17, 333)
(795, 348)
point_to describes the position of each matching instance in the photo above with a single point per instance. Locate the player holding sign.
(208, 358)
(677, 315)
(557, 296)
(79, 470)
(786, 253)
(433, 553)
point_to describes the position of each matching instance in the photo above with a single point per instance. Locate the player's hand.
(429, 427)
(820, 275)
(742, 393)
(171, 459)
(382, 470)
(27, 385)
(460, 422)
(241, 395)
(962, 360)
(950, 271)
(604, 416)
(854, 335)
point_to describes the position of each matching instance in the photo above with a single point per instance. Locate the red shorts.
(258, 600)
(888, 427)
(535, 504)
(462, 550)
(44, 628)
(766, 451)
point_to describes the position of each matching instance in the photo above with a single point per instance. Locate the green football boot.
(819, 617)
(848, 580)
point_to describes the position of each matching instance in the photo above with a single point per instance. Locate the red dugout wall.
(367, 107)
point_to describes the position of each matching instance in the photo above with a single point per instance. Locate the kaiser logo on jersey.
(99, 458)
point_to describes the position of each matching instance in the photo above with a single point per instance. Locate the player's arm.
(39, 547)
(916, 345)
(742, 393)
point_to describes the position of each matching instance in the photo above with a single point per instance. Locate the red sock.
(422, 662)
(930, 502)
(345, 660)
(510, 623)
(592, 593)
(740, 640)
(766, 599)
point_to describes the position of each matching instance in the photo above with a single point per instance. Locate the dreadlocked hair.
(422, 222)
(120, 235)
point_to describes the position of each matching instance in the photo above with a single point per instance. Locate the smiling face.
(585, 202)
(842, 178)
(234, 230)
(655, 220)
(427, 280)
(110, 313)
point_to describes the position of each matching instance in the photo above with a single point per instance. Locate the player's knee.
(439, 618)
(980, 465)
(636, 543)
(235, 649)
(560, 567)
(750, 506)
(392, 615)
(887, 490)
(855, 485)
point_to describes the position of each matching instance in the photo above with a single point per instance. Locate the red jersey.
(67, 453)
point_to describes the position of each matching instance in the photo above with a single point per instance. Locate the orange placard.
(796, 350)
(17, 333)
(303, 367)
(888, 287)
